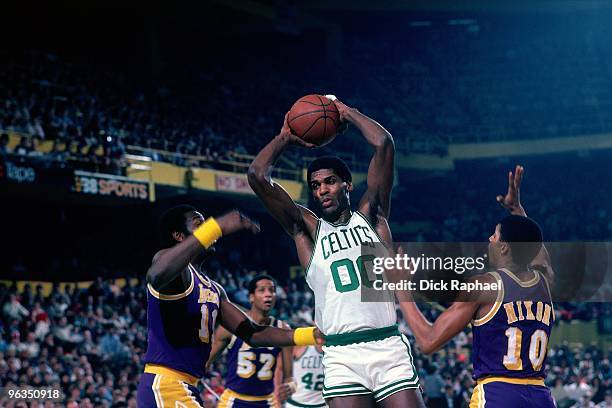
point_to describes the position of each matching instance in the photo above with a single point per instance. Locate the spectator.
(13, 309)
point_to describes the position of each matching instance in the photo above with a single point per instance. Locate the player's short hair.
(335, 163)
(253, 282)
(524, 236)
(173, 220)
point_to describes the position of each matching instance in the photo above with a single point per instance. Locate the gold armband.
(208, 233)
(304, 336)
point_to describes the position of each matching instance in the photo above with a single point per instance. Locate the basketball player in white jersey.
(366, 360)
(308, 374)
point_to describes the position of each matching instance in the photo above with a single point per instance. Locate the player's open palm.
(234, 221)
(512, 199)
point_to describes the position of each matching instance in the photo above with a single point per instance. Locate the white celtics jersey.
(337, 272)
(308, 373)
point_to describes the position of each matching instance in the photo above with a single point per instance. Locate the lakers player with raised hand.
(366, 360)
(184, 306)
(511, 326)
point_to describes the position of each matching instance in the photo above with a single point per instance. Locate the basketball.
(315, 119)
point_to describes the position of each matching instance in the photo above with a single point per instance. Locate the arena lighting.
(139, 167)
(138, 157)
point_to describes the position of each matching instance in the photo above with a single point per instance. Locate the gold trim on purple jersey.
(496, 305)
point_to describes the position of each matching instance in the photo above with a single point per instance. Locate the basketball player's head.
(516, 240)
(177, 223)
(262, 293)
(330, 182)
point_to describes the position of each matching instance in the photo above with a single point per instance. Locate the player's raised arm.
(512, 202)
(168, 264)
(294, 218)
(376, 201)
(238, 323)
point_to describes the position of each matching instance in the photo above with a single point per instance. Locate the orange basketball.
(315, 119)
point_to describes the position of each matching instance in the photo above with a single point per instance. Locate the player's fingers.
(519, 176)
(510, 179)
(500, 198)
(304, 143)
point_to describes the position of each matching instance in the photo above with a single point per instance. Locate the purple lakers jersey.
(250, 370)
(180, 327)
(512, 339)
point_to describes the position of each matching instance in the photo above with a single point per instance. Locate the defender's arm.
(238, 323)
(512, 202)
(168, 264)
(431, 337)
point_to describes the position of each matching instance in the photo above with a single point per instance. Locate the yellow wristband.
(304, 336)
(208, 232)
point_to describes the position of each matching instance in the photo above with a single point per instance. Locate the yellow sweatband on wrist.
(304, 336)
(208, 232)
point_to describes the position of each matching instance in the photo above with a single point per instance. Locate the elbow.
(256, 175)
(386, 143)
(429, 347)
(427, 350)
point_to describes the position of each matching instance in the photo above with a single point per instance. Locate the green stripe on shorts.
(393, 384)
(400, 387)
(344, 339)
(345, 393)
(339, 387)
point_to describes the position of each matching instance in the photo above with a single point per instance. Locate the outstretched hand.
(291, 138)
(512, 199)
(234, 221)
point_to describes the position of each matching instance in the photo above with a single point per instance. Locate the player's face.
(193, 219)
(330, 191)
(497, 248)
(264, 296)
(493, 249)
